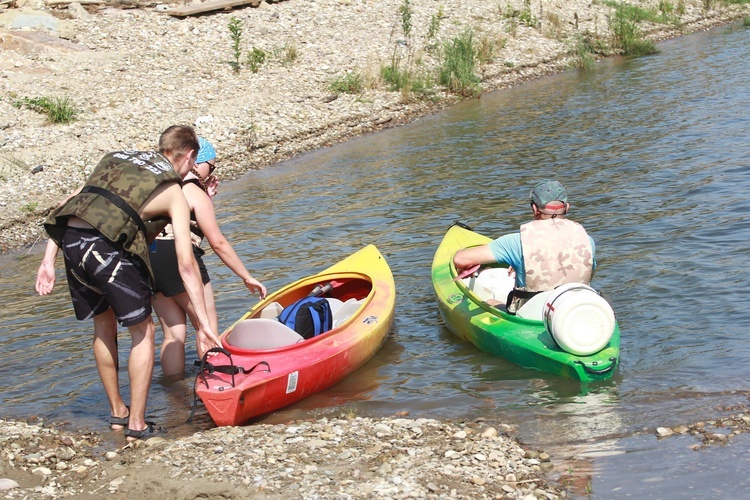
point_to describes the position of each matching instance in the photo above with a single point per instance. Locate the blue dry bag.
(309, 316)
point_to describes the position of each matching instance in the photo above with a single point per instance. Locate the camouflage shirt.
(133, 176)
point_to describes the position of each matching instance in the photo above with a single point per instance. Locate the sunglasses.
(211, 168)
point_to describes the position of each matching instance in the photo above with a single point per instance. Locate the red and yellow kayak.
(247, 378)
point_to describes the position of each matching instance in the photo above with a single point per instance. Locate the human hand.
(255, 286)
(205, 340)
(212, 185)
(45, 278)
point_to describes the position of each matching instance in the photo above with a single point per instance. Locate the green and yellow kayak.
(525, 342)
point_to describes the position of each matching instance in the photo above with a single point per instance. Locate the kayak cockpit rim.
(299, 290)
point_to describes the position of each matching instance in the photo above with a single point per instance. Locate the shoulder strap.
(119, 203)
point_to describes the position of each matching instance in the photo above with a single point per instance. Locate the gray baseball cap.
(546, 193)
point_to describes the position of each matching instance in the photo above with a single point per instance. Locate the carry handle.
(613, 361)
(201, 374)
(462, 225)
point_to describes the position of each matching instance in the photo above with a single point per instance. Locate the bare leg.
(140, 369)
(105, 354)
(173, 323)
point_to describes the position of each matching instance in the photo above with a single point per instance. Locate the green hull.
(521, 341)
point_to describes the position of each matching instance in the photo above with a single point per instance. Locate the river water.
(655, 155)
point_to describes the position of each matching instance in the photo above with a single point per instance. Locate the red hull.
(296, 371)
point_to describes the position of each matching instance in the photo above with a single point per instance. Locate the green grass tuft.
(286, 54)
(57, 109)
(637, 14)
(627, 35)
(459, 62)
(255, 58)
(348, 83)
(10, 165)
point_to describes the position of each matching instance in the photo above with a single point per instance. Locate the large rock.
(35, 42)
(29, 19)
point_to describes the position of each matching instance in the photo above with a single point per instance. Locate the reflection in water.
(654, 155)
(590, 415)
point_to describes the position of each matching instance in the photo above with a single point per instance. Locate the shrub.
(583, 53)
(434, 27)
(406, 14)
(459, 61)
(235, 31)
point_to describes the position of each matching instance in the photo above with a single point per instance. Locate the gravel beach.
(131, 70)
(347, 457)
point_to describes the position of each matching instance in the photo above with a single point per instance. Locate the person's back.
(120, 181)
(104, 239)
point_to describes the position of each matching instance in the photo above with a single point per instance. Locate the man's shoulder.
(151, 161)
(513, 238)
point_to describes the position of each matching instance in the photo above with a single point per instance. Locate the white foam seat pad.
(534, 307)
(262, 333)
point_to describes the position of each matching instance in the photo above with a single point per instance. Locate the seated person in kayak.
(170, 301)
(547, 252)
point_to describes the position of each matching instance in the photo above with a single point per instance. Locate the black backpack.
(309, 316)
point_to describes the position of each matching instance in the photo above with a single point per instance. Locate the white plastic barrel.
(580, 320)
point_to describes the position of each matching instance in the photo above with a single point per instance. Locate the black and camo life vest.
(121, 178)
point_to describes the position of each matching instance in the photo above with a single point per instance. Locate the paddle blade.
(467, 272)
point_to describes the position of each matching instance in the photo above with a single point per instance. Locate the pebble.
(253, 119)
(8, 484)
(664, 431)
(410, 465)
